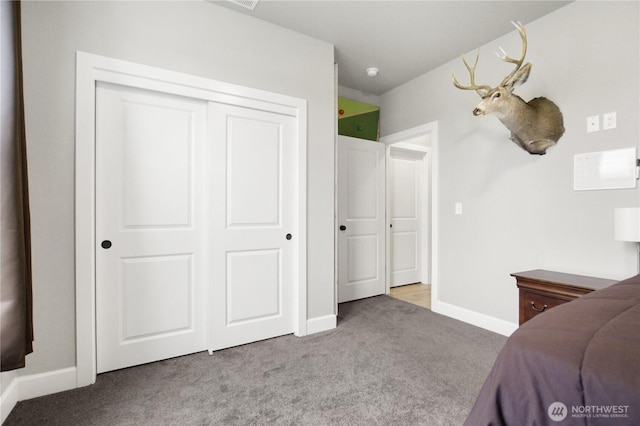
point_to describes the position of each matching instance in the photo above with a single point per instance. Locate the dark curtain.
(16, 324)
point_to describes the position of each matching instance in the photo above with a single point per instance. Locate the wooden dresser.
(541, 290)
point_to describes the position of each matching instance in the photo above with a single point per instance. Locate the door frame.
(431, 195)
(91, 69)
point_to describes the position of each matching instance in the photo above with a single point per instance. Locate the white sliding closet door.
(253, 221)
(150, 223)
(190, 215)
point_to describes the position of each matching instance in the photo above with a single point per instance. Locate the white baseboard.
(8, 399)
(35, 385)
(316, 325)
(487, 322)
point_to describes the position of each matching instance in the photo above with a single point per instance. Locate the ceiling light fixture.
(372, 72)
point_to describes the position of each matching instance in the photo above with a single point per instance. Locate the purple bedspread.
(577, 364)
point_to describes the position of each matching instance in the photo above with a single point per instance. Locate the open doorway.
(408, 255)
(410, 214)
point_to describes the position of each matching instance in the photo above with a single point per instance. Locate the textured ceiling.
(404, 39)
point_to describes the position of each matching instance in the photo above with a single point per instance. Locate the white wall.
(198, 38)
(520, 211)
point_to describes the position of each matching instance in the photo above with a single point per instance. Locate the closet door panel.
(253, 169)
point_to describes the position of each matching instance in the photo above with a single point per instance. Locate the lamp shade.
(627, 224)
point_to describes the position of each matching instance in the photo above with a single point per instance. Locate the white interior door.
(253, 261)
(150, 218)
(406, 189)
(361, 219)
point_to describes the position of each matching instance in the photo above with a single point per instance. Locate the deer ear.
(519, 78)
(482, 92)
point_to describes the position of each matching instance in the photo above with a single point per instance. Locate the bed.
(577, 364)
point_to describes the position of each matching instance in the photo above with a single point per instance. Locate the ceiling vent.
(247, 4)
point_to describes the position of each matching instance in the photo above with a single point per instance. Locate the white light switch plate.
(609, 120)
(593, 123)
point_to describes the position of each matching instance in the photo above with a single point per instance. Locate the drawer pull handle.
(533, 306)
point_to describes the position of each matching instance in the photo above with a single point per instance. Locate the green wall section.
(358, 120)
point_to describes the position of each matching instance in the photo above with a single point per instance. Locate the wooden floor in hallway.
(418, 294)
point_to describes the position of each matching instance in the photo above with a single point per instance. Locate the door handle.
(343, 228)
(106, 244)
(288, 237)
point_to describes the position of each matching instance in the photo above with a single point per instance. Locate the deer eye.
(495, 95)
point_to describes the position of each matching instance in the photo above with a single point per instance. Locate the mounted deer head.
(535, 125)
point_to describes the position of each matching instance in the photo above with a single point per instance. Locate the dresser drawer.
(535, 303)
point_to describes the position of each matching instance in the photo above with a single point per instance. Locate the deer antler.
(518, 62)
(472, 77)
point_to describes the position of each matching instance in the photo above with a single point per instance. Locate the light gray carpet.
(387, 362)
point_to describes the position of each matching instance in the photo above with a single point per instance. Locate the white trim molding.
(325, 323)
(9, 397)
(487, 322)
(424, 129)
(35, 385)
